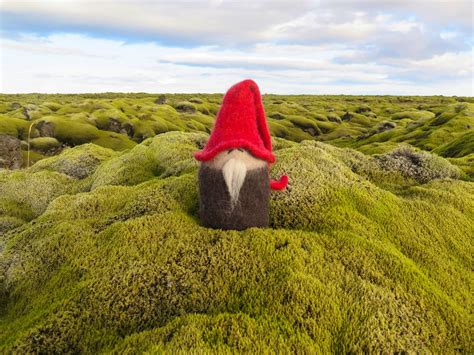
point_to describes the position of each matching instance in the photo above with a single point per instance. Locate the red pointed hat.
(241, 123)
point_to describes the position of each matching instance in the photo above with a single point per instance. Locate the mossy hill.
(370, 248)
(370, 124)
(102, 250)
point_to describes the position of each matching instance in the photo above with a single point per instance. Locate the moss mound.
(418, 165)
(166, 155)
(461, 146)
(26, 195)
(78, 162)
(185, 106)
(15, 127)
(47, 145)
(414, 115)
(123, 265)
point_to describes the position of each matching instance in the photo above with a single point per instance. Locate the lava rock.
(45, 129)
(10, 152)
(347, 116)
(161, 100)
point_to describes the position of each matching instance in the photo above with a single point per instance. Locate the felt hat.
(241, 123)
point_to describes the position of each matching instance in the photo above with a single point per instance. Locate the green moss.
(33, 156)
(413, 115)
(333, 117)
(466, 164)
(34, 190)
(223, 333)
(78, 162)
(442, 118)
(362, 120)
(107, 118)
(348, 265)
(8, 223)
(206, 121)
(277, 129)
(53, 106)
(277, 116)
(3, 107)
(44, 144)
(72, 132)
(185, 106)
(113, 141)
(16, 208)
(421, 166)
(280, 143)
(458, 147)
(196, 100)
(14, 127)
(364, 254)
(349, 121)
(326, 127)
(303, 122)
(378, 147)
(146, 129)
(164, 155)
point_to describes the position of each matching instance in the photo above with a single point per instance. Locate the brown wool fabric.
(251, 209)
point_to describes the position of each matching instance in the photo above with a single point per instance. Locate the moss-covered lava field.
(369, 250)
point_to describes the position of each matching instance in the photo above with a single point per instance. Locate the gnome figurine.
(234, 181)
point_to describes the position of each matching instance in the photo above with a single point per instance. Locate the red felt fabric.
(241, 123)
(280, 184)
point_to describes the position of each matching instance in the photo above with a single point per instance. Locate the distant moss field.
(369, 249)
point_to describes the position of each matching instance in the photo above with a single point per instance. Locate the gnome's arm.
(279, 184)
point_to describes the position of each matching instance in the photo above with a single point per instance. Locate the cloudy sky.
(400, 47)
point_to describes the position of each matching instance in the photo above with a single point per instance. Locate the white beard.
(234, 171)
(234, 166)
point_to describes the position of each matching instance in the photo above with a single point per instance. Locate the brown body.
(251, 209)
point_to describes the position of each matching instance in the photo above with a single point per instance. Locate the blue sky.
(288, 46)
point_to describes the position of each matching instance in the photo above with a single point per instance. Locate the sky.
(371, 47)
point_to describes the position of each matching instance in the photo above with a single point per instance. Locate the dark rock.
(277, 116)
(312, 131)
(112, 125)
(46, 145)
(347, 116)
(334, 118)
(362, 109)
(161, 100)
(28, 109)
(414, 124)
(127, 128)
(15, 105)
(185, 107)
(10, 152)
(45, 129)
(387, 126)
(26, 113)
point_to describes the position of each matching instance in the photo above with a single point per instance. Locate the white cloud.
(194, 21)
(314, 46)
(70, 63)
(448, 35)
(249, 21)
